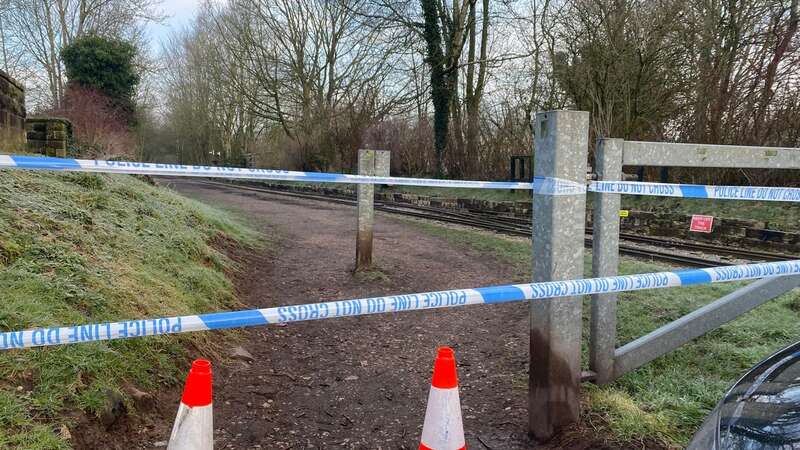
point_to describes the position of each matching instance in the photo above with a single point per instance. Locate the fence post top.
(610, 140)
(563, 111)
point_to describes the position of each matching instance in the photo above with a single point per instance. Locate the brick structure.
(48, 135)
(12, 114)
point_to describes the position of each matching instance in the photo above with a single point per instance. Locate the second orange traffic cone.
(443, 428)
(194, 425)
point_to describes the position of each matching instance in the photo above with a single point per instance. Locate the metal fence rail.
(609, 362)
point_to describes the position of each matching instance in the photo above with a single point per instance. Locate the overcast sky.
(179, 13)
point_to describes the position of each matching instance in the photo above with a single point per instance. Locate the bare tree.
(312, 80)
(309, 66)
(41, 28)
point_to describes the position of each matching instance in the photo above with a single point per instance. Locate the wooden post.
(370, 163)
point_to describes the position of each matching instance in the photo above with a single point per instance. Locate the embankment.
(81, 248)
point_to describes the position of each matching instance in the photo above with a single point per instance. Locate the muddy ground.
(358, 382)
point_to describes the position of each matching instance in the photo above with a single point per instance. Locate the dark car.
(760, 411)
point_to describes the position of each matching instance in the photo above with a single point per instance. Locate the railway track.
(516, 226)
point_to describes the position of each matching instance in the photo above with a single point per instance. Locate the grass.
(371, 275)
(81, 248)
(779, 216)
(666, 400)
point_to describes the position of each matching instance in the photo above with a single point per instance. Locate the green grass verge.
(666, 400)
(81, 248)
(778, 215)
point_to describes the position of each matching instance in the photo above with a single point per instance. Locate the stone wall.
(48, 135)
(733, 232)
(12, 114)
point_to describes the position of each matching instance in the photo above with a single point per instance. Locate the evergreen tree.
(105, 65)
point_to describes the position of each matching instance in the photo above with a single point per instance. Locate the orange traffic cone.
(194, 425)
(443, 429)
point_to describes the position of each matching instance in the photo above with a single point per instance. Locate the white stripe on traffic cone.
(194, 424)
(443, 428)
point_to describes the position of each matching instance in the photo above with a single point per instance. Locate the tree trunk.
(769, 79)
(475, 90)
(439, 86)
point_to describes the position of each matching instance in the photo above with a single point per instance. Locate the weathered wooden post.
(605, 260)
(561, 147)
(371, 163)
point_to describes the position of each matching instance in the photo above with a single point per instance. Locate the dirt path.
(363, 382)
(360, 382)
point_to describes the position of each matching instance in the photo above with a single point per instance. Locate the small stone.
(143, 400)
(113, 409)
(160, 444)
(241, 354)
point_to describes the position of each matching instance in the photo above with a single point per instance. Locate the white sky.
(179, 13)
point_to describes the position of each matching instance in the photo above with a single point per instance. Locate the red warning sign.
(701, 224)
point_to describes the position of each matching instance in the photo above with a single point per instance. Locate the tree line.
(449, 86)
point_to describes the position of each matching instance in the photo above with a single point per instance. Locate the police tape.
(774, 194)
(181, 170)
(540, 185)
(38, 337)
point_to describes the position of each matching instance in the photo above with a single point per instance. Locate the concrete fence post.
(371, 163)
(561, 148)
(605, 260)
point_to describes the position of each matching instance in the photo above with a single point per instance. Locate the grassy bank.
(80, 248)
(664, 401)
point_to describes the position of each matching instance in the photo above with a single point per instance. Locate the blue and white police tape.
(143, 168)
(774, 194)
(557, 186)
(540, 185)
(395, 303)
